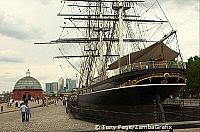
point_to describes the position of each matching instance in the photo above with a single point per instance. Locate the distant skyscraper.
(60, 84)
(67, 83)
(70, 84)
(55, 87)
(73, 84)
(49, 87)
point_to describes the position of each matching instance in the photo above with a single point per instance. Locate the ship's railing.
(152, 65)
(141, 66)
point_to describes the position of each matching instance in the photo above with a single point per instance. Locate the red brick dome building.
(27, 87)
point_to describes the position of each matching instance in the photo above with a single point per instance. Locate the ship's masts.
(136, 1)
(96, 15)
(120, 28)
(116, 19)
(80, 27)
(86, 6)
(87, 40)
(166, 36)
(84, 56)
(97, 29)
(100, 44)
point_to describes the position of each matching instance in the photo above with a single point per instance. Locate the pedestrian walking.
(47, 101)
(43, 102)
(28, 113)
(23, 111)
(16, 104)
(64, 102)
(38, 99)
(55, 101)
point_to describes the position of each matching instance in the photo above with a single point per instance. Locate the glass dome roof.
(27, 82)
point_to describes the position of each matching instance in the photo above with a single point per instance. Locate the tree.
(7, 96)
(193, 75)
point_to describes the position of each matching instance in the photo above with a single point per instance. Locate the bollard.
(1, 108)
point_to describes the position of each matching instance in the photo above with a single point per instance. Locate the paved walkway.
(50, 119)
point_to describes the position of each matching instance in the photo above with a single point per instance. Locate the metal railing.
(184, 102)
(144, 65)
(152, 65)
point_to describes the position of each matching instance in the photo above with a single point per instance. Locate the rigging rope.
(155, 31)
(178, 47)
(69, 62)
(62, 68)
(164, 14)
(148, 8)
(62, 6)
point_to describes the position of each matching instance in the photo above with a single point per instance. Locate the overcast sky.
(23, 22)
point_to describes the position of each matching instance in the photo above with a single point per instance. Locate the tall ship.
(125, 52)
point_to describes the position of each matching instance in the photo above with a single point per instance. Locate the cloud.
(182, 4)
(12, 60)
(10, 56)
(14, 27)
(7, 82)
(45, 1)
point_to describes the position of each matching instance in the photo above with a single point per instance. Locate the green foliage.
(193, 74)
(7, 96)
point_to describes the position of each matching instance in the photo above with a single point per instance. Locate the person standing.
(43, 102)
(11, 100)
(28, 113)
(26, 101)
(23, 111)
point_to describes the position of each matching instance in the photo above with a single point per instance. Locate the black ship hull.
(133, 88)
(129, 95)
(117, 100)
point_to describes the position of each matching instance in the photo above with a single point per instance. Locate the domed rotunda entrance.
(27, 88)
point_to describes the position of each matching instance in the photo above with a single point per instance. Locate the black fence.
(184, 102)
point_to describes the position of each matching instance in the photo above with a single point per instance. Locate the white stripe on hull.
(144, 85)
